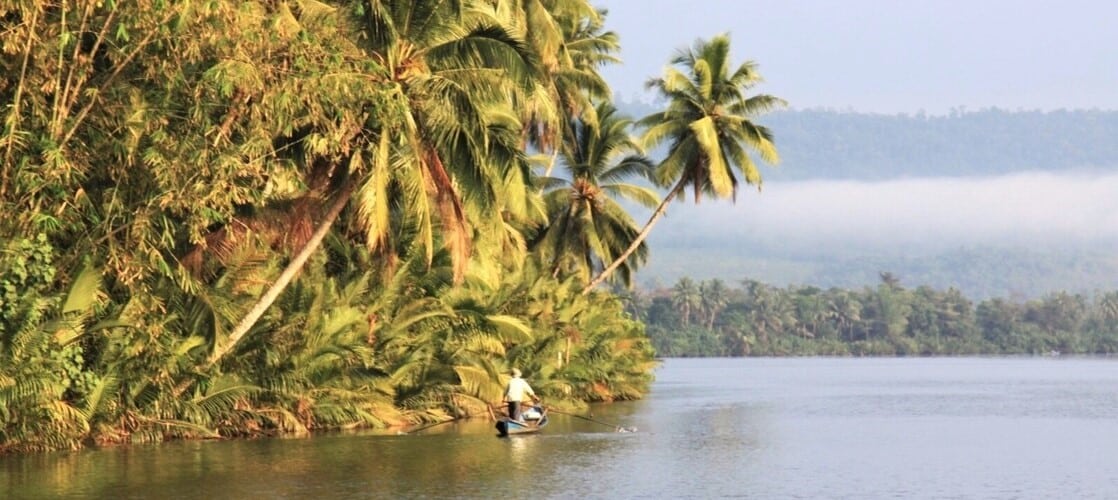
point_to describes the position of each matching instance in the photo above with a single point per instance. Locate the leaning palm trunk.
(551, 164)
(660, 211)
(284, 279)
(270, 296)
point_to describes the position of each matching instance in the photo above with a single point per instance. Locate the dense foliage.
(261, 217)
(710, 318)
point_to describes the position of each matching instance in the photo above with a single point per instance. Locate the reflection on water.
(758, 428)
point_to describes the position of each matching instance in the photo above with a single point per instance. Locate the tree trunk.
(285, 277)
(550, 165)
(8, 164)
(274, 291)
(660, 211)
(567, 354)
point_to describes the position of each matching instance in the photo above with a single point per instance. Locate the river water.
(1013, 428)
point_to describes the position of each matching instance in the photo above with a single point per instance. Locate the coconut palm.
(770, 313)
(709, 129)
(568, 37)
(453, 71)
(588, 228)
(449, 72)
(686, 298)
(713, 296)
(846, 311)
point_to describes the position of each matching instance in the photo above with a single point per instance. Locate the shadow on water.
(464, 459)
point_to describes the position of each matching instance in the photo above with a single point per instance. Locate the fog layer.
(1032, 210)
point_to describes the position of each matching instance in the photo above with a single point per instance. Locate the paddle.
(428, 426)
(617, 428)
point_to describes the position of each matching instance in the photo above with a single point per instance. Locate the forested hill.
(829, 144)
(783, 236)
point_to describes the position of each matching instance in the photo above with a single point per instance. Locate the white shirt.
(518, 390)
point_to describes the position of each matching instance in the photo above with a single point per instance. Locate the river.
(1013, 428)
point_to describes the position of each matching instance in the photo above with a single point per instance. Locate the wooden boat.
(533, 418)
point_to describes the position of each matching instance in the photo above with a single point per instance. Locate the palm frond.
(510, 328)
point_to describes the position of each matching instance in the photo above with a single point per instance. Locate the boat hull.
(508, 427)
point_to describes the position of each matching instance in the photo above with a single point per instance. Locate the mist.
(1039, 210)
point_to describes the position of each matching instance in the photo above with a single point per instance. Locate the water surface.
(745, 428)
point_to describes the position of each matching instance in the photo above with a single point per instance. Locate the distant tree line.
(978, 272)
(712, 318)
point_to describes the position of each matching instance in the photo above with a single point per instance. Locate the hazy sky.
(890, 55)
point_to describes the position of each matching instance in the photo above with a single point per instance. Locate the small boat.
(532, 420)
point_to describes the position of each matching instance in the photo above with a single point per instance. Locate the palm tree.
(714, 297)
(568, 37)
(890, 280)
(588, 227)
(448, 72)
(766, 312)
(846, 311)
(889, 306)
(576, 83)
(708, 126)
(810, 308)
(453, 71)
(686, 298)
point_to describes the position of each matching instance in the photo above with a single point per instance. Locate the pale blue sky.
(890, 56)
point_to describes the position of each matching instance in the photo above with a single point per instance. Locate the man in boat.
(517, 391)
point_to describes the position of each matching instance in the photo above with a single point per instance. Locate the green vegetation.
(979, 272)
(709, 318)
(263, 217)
